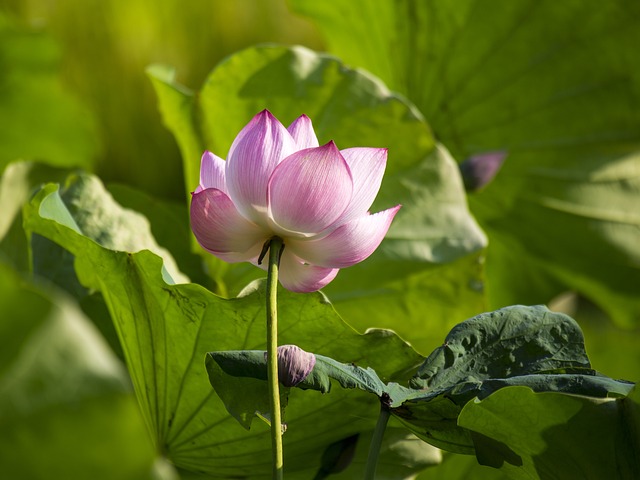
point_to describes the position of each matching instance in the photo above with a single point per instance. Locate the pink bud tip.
(294, 365)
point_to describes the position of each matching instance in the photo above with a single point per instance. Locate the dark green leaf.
(550, 435)
(514, 346)
(509, 342)
(234, 373)
(239, 378)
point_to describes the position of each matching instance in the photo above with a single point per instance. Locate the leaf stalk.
(376, 440)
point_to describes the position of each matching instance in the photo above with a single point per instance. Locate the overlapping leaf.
(550, 435)
(554, 84)
(401, 455)
(398, 283)
(492, 353)
(165, 331)
(17, 181)
(513, 346)
(461, 467)
(84, 205)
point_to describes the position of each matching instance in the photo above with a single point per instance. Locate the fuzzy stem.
(376, 442)
(275, 251)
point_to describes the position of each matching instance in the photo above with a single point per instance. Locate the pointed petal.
(212, 172)
(221, 230)
(348, 244)
(253, 156)
(367, 167)
(310, 189)
(296, 276)
(302, 132)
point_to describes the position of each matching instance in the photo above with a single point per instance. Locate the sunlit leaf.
(169, 225)
(166, 330)
(84, 205)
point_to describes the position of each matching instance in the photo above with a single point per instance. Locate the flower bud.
(294, 364)
(478, 170)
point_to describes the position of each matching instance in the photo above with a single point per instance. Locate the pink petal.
(348, 244)
(302, 132)
(212, 172)
(367, 167)
(221, 230)
(310, 189)
(296, 276)
(253, 156)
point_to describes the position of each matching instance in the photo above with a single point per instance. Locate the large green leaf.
(166, 330)
(555, 436)
(40, 119)
(432, 229)
(90, 209)
(556, 85)
(66, 405)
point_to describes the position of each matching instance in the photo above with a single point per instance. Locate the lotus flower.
(277, 181)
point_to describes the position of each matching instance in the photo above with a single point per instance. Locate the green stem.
(376, 442)
(275, 251)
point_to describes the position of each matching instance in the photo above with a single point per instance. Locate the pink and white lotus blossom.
(278, 181)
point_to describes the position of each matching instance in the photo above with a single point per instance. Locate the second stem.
(275, 251)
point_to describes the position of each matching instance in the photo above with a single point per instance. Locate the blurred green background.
(554, 84)
(103, 48)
